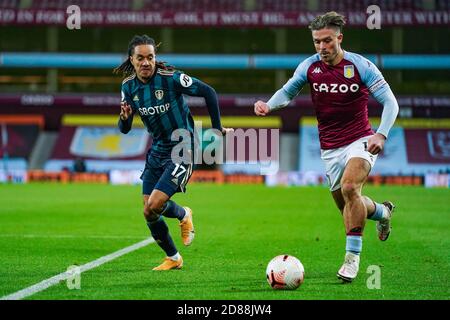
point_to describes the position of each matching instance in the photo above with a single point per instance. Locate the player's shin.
(160, 232)
(355, 216)
(354, 219)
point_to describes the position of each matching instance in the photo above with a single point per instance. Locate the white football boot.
(384, 225)
(350, 268)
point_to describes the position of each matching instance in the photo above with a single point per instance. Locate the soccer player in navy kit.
(340, 83)
(155, 92)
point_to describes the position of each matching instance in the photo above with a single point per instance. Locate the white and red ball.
(285, 272)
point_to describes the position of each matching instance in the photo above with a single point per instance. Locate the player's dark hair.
(330, 19)
(126, 68)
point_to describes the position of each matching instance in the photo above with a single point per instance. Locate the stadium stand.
(102, 147)
(56, 76)
(391, 5)
(9, 4)
(84, 4)
(194, 6)
(231, 5)
(18, 135)
(442, 5)
(282, 5)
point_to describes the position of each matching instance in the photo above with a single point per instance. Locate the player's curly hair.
(330, 19)
(126, 68)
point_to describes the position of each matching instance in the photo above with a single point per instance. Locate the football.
(285, 272)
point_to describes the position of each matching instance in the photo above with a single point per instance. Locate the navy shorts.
(164, 175)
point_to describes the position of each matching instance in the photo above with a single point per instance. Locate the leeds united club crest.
(159, 94)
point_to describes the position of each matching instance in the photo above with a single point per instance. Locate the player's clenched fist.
(125, 111)
(261, 108)
(376, 143)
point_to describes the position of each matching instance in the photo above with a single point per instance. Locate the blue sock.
(378, 214)
(354, 244)
(172, 210)
(160, 232)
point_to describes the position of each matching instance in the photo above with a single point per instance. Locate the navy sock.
(160, 232)
(172, 210)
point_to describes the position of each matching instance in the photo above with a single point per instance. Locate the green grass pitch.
(44, 228)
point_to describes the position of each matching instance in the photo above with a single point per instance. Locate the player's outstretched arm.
(390, 110)
(206, 91)
(197, 88)
(279, 100)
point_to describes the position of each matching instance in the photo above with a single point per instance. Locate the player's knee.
(149, 214)
(151, 211)
(349, 189)
(153, 206)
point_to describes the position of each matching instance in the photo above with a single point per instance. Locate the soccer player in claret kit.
(155, 92)
(340, 83)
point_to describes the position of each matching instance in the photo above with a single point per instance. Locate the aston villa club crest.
(159, 94)
(349, 71)
(439, 144)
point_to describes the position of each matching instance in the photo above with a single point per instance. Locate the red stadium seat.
(232, 5)
(83, 4)
(9, 4)
(191, 5)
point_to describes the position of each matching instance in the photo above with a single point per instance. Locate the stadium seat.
(442, 5)
(197, 6)
(390, 5)
(282, 5)
(9, 4)
(232, 5)
(83, 4)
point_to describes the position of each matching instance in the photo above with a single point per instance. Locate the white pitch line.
(41, 286)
